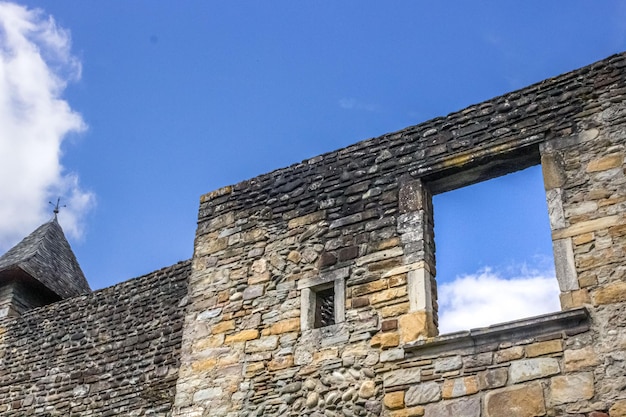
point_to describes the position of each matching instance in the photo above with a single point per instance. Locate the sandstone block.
(618, 409)
(408, 412)
(394, 310)
(607, 162)
(459, 387)
(207, 394)
(223, 326)
(571, 388)
(528, 369)
(401, 377)
(516, 401)
(253, 291)
(413, 326)
(203, 365)
(423, 393)
(544, 348)
(208, 342)
(370, 287)
(242, 336)
(509, 354)
(394, 400)
(285, 326)
(261, 345)
(385, 340)
(280, 362)
(578, 359)
(614, 292)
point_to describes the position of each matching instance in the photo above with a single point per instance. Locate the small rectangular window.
(324, 308)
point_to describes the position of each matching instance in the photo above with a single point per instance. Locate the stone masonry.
(312, 289)
(359, 221)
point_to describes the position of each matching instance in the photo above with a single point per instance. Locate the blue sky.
(167, 101)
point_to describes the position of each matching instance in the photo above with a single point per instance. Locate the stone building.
(312, 289)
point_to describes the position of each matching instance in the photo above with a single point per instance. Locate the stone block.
(261, 345)
(387, 295)
(462, 407)
(385, 340)
(223, 326)
(253, 291)
(492, 378)
(606, 162)
(394, 310)
(517, 401)
(370, 287)
(426, 392)
(401, 377)
(571, 388)
(242, 336)
(528, 369)
(408, 412)
(286, 326)
(459, 387)
(509, 354)
(394, 400)
(544, 348)
(306, 219)
(416, 325)
(578, 359)
(392, 355)
(618, 409)
(614, 292)
(450, 363)
(280, 362)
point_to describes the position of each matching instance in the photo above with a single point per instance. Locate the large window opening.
(494, 252)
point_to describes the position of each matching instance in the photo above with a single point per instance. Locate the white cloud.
(354, 104)
(35, 66)
(486, 298)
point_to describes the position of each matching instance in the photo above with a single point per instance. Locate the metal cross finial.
(56, 207)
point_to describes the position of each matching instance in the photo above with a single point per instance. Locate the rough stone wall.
(113, 352)
(359, 220)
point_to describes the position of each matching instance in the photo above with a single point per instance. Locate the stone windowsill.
(570, 321)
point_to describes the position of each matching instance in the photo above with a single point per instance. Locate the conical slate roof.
(46, 256)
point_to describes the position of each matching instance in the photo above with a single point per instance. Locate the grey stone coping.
(570, 321)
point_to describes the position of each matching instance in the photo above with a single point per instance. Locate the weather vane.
(56, 206)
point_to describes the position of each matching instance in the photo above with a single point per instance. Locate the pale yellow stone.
(208, 342)
(387, 295)
(525, 400)
(618, 409)
(285, 326)
(294, 256)
(307, 219)
(394, 400)
(574, 299)
(586, 227)
(584, 238)
(203, 365)
(394, 310)
(408, 412)
(254, 367)
(602, 164)
(413, 326)
(571, 388)
(544, 348)
(280, 362)
(320, 355)
(259, 278)
(509, 354)
(370, 287)
(223, 326)
(242, 336)
(614, 292)
(385, 340)
(578, 359)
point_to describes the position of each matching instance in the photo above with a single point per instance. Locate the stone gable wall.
(114, 352)
(359, 220)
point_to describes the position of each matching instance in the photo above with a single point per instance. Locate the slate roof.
(47, 257)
